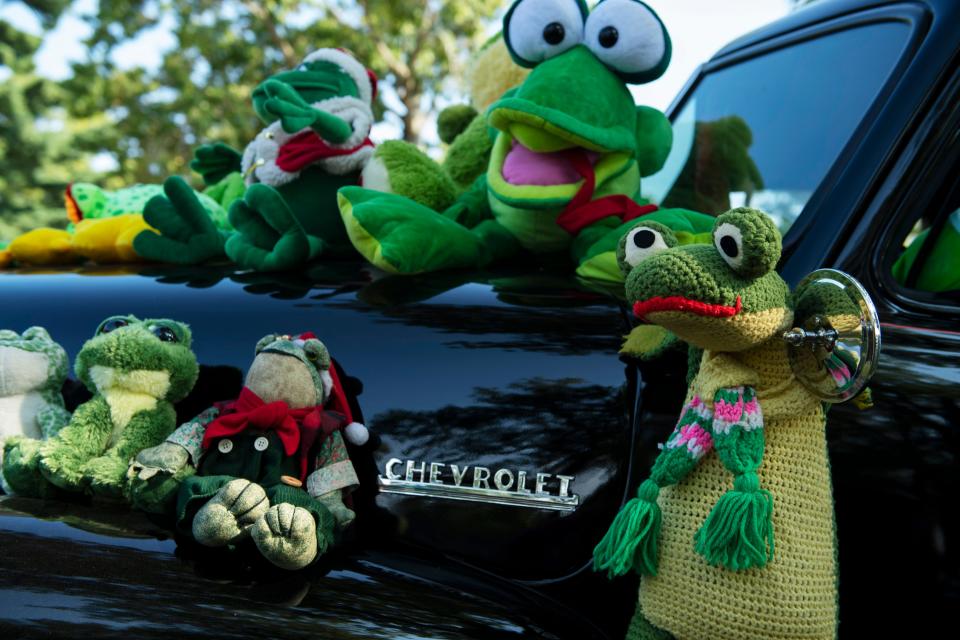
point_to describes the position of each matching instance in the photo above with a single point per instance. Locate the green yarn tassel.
(631, 541)
(738, 533)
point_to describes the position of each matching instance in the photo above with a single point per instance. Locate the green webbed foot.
(216, 161)
(268, 237)
(187, 234)
(400, 236)
(21, 468)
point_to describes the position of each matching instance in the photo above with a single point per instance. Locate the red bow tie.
(582, 211)
(306, 148)
(249, 411)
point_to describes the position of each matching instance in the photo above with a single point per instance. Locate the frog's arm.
(215, 162)
(190, 434)
(631, 542)
(294, 113)
(52, 418)
(472, 206)
(738, 533)
(654, 139)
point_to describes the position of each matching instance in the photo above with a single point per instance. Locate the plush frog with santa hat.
(270, 465)
(570, 150)
(317, 120)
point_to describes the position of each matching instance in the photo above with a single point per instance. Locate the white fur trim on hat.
(356, 433)
(327, 380)
(350, 65)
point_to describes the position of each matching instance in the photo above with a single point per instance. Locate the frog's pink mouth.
(523, 166)
(678, 303)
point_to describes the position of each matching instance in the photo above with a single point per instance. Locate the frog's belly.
(792, 597)
(536, 229)
(18, 415)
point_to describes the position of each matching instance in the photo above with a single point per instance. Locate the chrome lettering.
(480, 475)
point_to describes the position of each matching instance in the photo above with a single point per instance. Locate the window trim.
(916, 17)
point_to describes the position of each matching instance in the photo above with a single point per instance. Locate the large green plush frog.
(136, 370)
(317, 120)
(570, 149)
(32, 369)
(735, 521)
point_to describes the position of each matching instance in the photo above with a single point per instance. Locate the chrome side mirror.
(834, 345)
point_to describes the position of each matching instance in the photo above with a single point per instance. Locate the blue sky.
(698, 29)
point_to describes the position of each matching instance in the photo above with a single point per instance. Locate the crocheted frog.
(136, 370)
(705, 545)
(32, 370)
(317, 120)
(571, 147)
(270, 465)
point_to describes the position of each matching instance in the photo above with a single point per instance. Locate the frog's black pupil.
(608, 37)
(110, 325)
(553, 33)
(729, 246)
(644, 239)
(166, 334)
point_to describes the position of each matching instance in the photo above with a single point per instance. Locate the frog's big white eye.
(628, 37)
(642, 243)
(537, 30)
(728, 239)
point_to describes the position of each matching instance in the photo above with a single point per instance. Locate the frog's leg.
(107, 474)
(295, 530)
(63, 457)
(186, 235)
(400, 236)
(399, 167)
(21, 468)
(269, 236)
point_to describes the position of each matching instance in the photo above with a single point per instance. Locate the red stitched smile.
(679, 303)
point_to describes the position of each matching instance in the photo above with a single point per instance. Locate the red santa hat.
(355, 432)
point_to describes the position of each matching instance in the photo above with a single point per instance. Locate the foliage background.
(143, 124)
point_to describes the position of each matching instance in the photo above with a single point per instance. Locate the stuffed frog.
(270, 465)
(102, 226)
(315, 140)
(571, 147)
(733, 531)
(33, 368)
(136, 370)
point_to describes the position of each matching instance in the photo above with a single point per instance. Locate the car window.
(929, 257)
(765, 132)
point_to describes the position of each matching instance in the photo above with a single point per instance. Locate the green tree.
(151, 120)
(36, 151)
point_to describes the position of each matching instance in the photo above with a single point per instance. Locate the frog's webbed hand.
(216, 161)
(633, 538)
(187, 234)
(294, 113)
(400, 236)
(738, 533)
(268, 237)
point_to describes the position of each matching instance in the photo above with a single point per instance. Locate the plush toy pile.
(733, 531)
(136, 370)
(570, 150)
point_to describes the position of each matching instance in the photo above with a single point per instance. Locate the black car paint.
(423, 358)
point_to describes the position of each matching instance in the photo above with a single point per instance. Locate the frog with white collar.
(32, 369)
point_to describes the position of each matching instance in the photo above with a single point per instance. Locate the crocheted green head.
(723, 297)
(574, 110)
(150, 357)
(37, 361)
(295, 369)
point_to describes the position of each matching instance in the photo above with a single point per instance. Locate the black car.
(845, 122)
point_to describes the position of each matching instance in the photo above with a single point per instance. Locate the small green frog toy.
(136, 370)
(33, 368)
